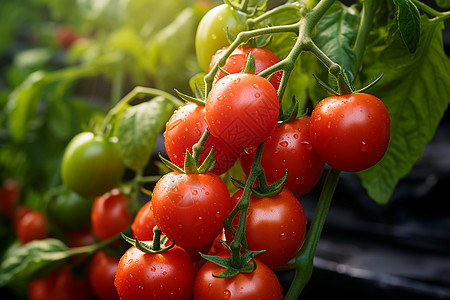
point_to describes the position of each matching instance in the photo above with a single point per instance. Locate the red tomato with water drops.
(242, 109)
(165, 275)
(184, 130)
(350, 132)
(191, 208)
(276, 224)
(31, 226)
(102, 272)
(260, 284)
(235, 63)
(289, 148)
(110, 214)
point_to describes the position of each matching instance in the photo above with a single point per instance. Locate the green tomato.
(71, 211)
(212, 32)
(91, 165)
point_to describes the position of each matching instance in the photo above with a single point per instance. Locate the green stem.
(303, 261)
(197, 149)
(368, 12)
(118, 83)
(277, 10)
(439, 15)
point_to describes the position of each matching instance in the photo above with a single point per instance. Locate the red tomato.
(260, 284)
(350, 132)
(242, 109)
(165, 275)
(102, 272)
(191, 208)
(144, 222)
(184, 130)
(60, 285)
(9, 195)
(31, 226)
(276, 224)
(236, 62)
(110, 214)
(289, 148)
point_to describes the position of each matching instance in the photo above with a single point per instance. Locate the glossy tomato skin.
(144, 222)
(211, 32)
(184, 130)
(110, 214)
(102, 272)
(165, 275)
(191, 208)
(289, 148)
(91, 165)
(264, 59)
(60, 285)
(276, 224)
(260, 284)
(242, 109)
(350, 132)
(31, 226)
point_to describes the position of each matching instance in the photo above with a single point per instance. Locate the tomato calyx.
(158, 244)
(263, 188)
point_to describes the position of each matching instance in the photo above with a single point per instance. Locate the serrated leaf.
(31, 259)
(408, 23)
(138, 129)
(415, 89)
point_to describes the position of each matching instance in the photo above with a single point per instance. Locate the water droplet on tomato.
(213, 36)
(255, 86)
(283, 236)
(306, 144)
(164, 273)
(172, 125)
(257, 95)
(194, 193)
(364, 146)
(226, 294)
(153, 269)
(296, 136)
(284, 143)
(237, 80)
(329, 124)
(221, 97)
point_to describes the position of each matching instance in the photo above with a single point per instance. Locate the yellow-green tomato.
(212, 32)
(91, 165)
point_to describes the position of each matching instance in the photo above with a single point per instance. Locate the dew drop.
(255, 86)
(164, 273)
(173, 124)
(257, 95)
(364, 146)
(194, 192)
(306, 144)
(237, 80)
(221, 97)
(284, 143)
(283, 236)
(213, 36)
(319, 117)
(220, 18)
(296, 136)
(153, 269)
(329, 124)
(226, 294)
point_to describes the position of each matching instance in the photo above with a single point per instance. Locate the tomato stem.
(303, 261)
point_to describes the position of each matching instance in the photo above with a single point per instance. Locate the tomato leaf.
(138, 129)
(408, 23)
(32, 258)
(415, 89)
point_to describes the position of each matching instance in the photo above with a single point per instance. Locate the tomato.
(164, 275)
(191, 208)
(91, 165)
(211, 32)
(289, 148)
(9, 196)
(31, 226)
(350, 132)
(184, 130)
(66, 36)
(102, 272)
(144, 222)
(71, 211)
(276, 224)
(260, 284)
(235, 63)
(60, 285)
(242, 109)
(110, 214)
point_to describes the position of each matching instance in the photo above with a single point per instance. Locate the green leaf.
(138, 129)
(32, 258)
(408, 23)
(443, 3)
(335, 35)
(415, 88)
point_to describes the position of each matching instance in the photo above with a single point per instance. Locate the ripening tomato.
(31, 226)
(165, 275)
(60, 285)
(184, 130)
(276, 224)
(211, 32)
(91, 165)
(9, 196)
(110, 214)
(264, 59)
(102, 272)
(191, 208)
(242, 109)
(289, 148)
(260, 284)
(350, 132)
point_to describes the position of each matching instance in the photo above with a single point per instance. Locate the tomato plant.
(71, 211)
(110, 214)
(351, 132)
(102, 272)
(91, 165)
(289, 149)
(242, 109)
(191, 208)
